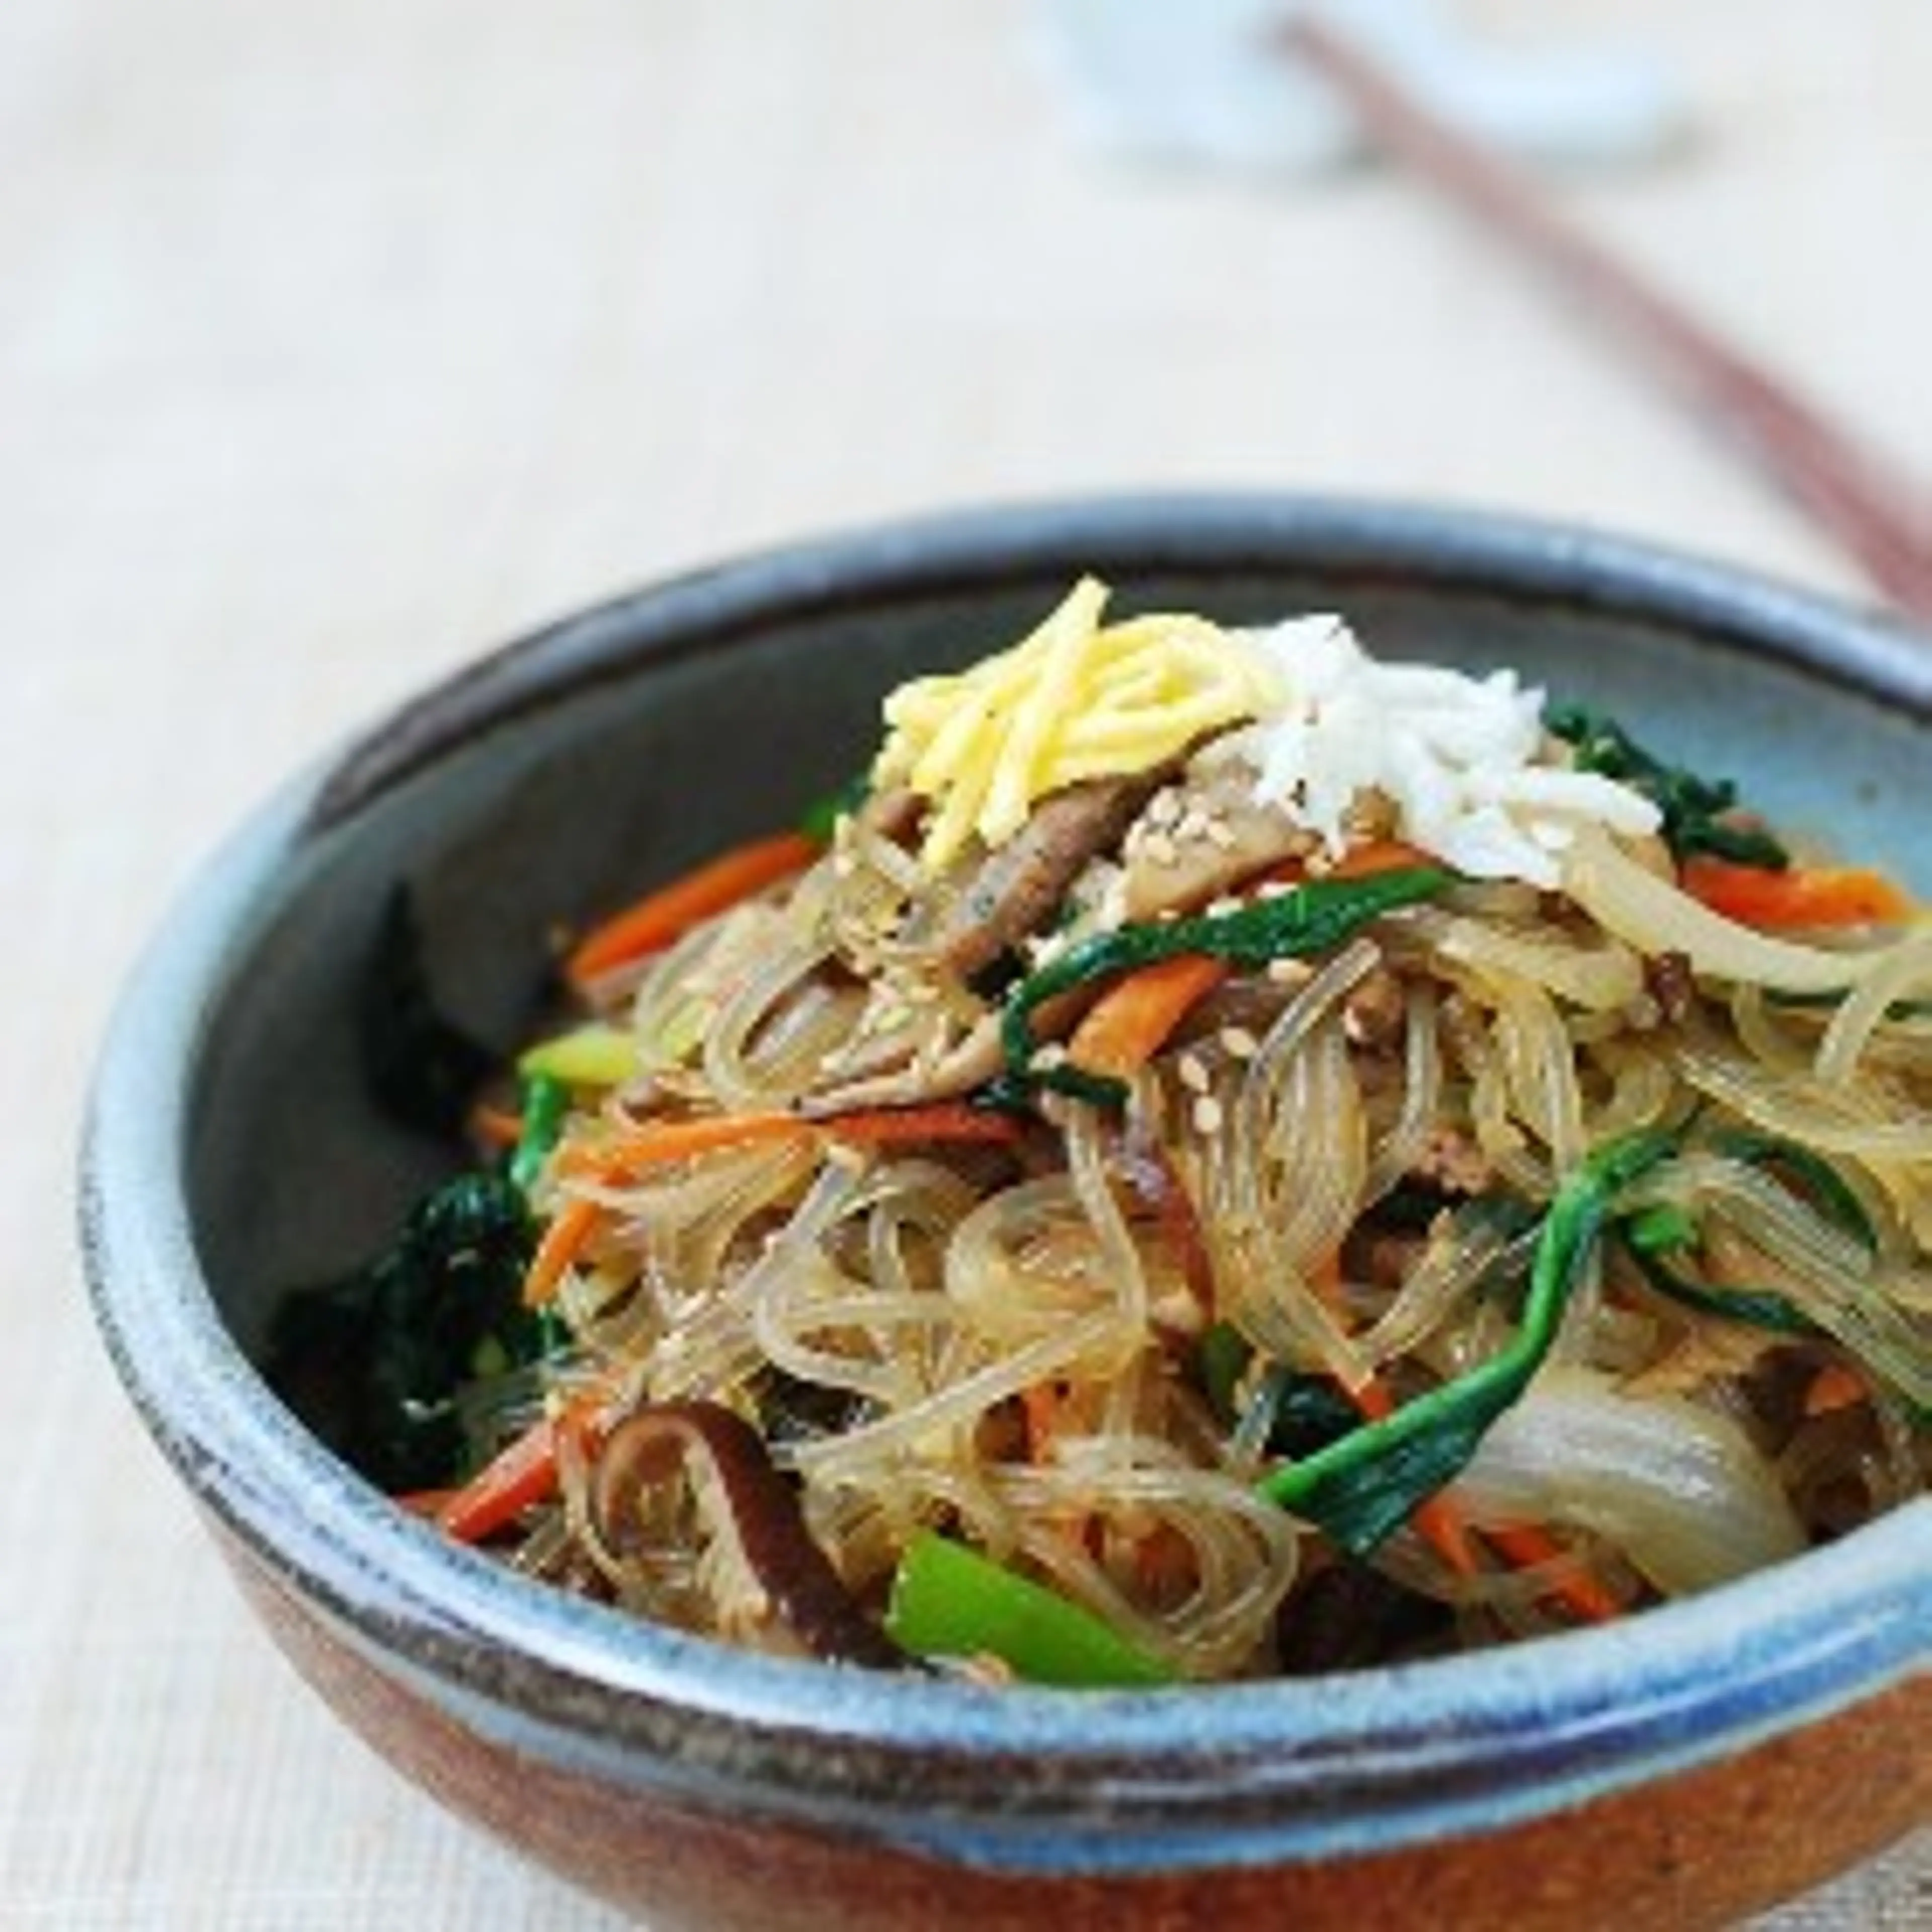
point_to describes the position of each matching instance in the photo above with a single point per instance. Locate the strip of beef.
(1013, 890)
(893, 815)
(971, 1063)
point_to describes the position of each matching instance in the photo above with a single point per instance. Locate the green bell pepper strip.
(1365, 1486)
(1314, 917)
(594, 1054)
(546, 1105)
(950, 1601)
(1695, 810)
(546, 1101)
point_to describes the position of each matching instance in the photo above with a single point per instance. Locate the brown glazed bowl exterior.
(1680, 1769)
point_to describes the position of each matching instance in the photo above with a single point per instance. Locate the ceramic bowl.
(1681, 1768)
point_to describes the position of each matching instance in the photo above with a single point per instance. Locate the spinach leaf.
(1697, 812)
(373, 1362)
(1313, 918)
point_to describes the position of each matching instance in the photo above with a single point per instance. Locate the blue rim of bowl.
(1025, 1781)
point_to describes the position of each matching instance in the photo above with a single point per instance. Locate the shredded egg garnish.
(1463, 759)
(1075, 699)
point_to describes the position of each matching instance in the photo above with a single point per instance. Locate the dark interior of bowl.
(558, 780)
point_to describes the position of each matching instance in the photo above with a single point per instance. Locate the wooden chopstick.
(1880, 515)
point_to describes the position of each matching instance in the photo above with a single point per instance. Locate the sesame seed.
(1290, 972)
(1193, 824)
(1160, 848)
(1221, 907)
(1220, 835)
(1208, 1116)
(1238, 1043)
(1164, 808)
(1194, 1075)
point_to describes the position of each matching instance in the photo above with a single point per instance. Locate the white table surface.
(339, 341)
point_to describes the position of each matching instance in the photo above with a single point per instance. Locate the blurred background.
(337, 342)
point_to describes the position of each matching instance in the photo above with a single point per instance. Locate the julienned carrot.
(1135, 1017)
(656, 1143)
(663, 916)
(563, 1241)
(1800, 895)
(1526, 1545)
(1440, 1524)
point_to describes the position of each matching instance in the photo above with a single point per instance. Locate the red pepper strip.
(954, 1121)
(1799, 896)
(517, 1477)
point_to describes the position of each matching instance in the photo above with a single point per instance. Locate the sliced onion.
(1907, 970)
(1680, 1489)
(1652, 915)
